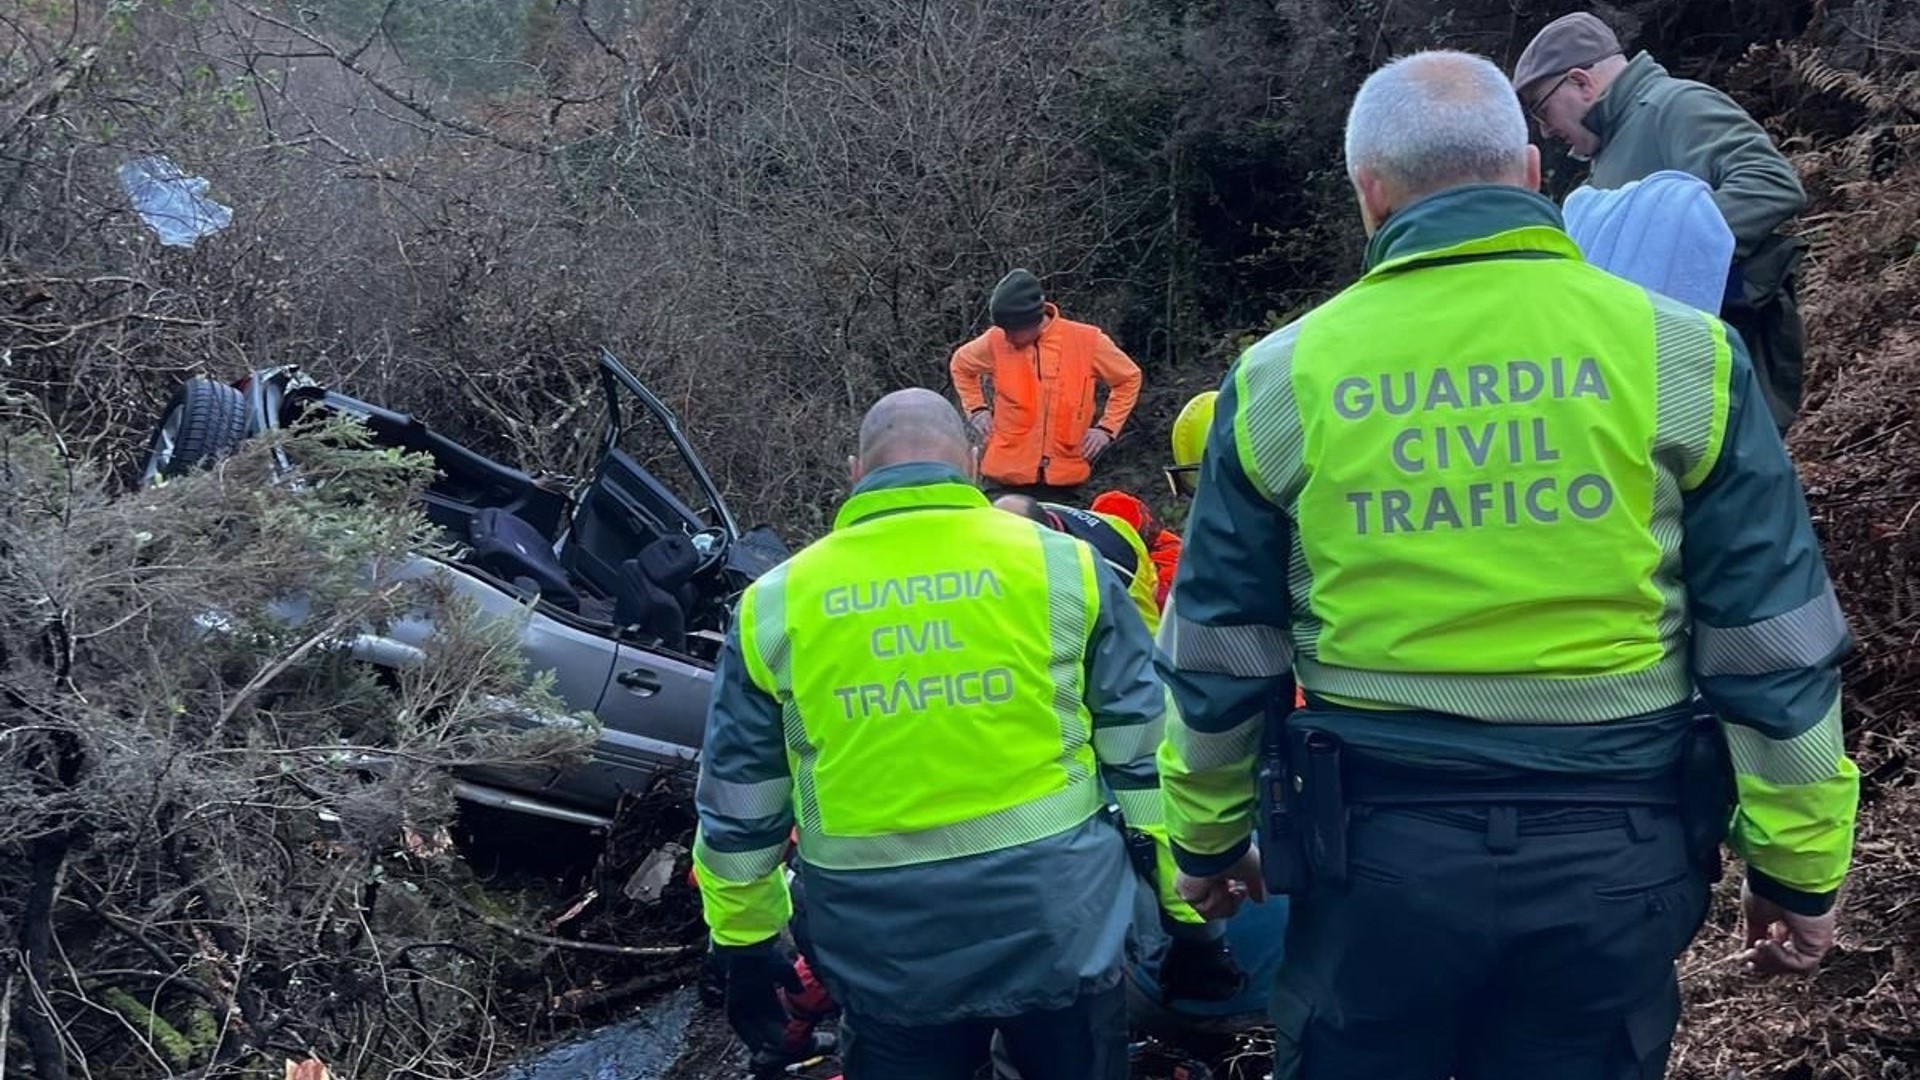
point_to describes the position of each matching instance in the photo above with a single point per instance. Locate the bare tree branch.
(66, 70)
(398, 96)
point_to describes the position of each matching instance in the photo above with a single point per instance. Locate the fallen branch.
(583, 1003)
(326, 633)
(150, 1026)
(513, 931)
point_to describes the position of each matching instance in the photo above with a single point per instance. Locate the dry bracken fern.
(1879, 95)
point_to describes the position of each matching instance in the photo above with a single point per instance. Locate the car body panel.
(650, 700)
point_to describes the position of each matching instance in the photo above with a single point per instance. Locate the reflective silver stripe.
(1140, 806)
(1201, 750)
(806, 796)
(1131, 742)
(770, 627)
(738, 866)
(772, 641)
(1807, 758)
(1251, 651)
(1690, 411)
(730, 799)
(1792, 639)
(1266, 427)
(1069, 623)
(1015, 825)
(1514, 699)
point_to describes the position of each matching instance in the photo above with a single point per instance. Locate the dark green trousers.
(1087, 1040)
(1492, 943)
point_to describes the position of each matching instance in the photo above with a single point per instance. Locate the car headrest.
(669, 561)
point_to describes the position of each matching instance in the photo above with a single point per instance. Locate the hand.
(981, 422)
(1218, 896)
(1199, 970)
(1782, 942)
(1094, 443)
(755, 976)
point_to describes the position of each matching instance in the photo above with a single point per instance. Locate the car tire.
(204, 422)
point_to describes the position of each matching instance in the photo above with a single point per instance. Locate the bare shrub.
(202, 798)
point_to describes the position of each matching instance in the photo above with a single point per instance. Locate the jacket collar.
(1049, 319)
(1608, 113)
(911, 485)
(1475, 220)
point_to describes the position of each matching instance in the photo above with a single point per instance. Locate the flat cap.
(1570, 41)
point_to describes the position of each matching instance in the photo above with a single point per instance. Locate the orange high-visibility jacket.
(1163, 544)
(1165, 551)
(1043, 398)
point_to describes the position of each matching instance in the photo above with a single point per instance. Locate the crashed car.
(625, 590)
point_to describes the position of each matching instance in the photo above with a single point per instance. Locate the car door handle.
(642, 682)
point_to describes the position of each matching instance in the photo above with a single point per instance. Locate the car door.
(652, 718)
(649, 484)
(580, 660)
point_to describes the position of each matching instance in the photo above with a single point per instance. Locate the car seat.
(656, 589)
(514, 551)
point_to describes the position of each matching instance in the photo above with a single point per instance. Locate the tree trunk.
(48, 858)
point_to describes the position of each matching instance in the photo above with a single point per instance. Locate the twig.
(69, 71)
(373, 35)
(669, 55)
(351, 62)
(560, 943)
(580, 11)
(133, 933)
(44, 1035)
(277, 668)
(6, 1017)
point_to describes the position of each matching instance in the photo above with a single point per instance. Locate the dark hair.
(1026, 506)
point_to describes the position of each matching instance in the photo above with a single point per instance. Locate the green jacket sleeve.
(1707, 134)
(744, 798)
(1768, 637)
(1225, 650)
(1128, 705)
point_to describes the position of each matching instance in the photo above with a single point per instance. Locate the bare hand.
(1782, 942)
(1094, 443)
(981, 422)
(1218, 896)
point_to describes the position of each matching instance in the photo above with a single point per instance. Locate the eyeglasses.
(1540, 103)
(1183, 479)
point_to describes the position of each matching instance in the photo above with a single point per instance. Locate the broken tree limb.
(523, 934)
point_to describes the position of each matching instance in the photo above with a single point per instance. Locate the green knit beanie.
(1017, 303)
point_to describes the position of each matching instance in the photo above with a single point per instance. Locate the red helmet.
(1128, 508)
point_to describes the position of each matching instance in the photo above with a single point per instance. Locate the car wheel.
(205, 421)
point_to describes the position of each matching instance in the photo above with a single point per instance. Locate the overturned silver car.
(622, 589)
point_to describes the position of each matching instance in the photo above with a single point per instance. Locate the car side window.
(644, 439)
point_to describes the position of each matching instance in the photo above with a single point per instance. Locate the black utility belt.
(1309, 782)
(1368, 783)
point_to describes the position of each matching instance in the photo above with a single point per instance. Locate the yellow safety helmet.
(1189, 440)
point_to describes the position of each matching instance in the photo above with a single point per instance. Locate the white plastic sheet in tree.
(173, 204)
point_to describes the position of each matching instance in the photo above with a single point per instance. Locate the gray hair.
(913, 425)
(1436, 120)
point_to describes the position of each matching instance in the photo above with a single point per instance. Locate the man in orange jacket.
(1040, 431)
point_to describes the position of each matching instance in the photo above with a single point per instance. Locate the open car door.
(650, 487)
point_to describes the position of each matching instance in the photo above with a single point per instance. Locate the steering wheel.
(715, 544)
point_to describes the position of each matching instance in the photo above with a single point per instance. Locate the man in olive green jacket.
(1630, 118)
